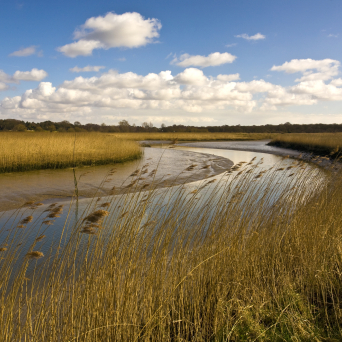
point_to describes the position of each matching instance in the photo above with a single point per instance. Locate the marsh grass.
(326, 144)
(247, 260)
(186, 136)
(35, 151)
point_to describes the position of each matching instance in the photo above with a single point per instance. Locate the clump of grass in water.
(235, 266)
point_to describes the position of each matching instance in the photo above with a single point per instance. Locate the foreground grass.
(195, 136)
(34, 151)
(230, 266)
(317, 143)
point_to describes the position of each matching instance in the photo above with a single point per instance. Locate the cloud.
(3, 86)
(189, 91)
(129, 30)
(33, 75)
(257, 36)
(191, 76)
(230, 45)
(325, 68)
(214, 59)
(88, 68)
(31, 50)
(337, 82)
(255, 86)
(228, 78)
(332, 35)
(5, 77)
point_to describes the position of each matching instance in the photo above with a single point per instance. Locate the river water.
(181, 171)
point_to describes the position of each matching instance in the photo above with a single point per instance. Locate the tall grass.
(195, 136)
(227, 262)
(34, 151)
(318, 143)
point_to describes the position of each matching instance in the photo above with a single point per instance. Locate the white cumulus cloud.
(257, 36)
(214, 59)
(33, 75)
(88, 68)
(190, 91)
(128, 30)
(311, 69)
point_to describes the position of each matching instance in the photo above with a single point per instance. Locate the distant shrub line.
(124, 127)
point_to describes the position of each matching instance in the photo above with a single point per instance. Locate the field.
(194, 136)
(232, 265)
(34, 151)
(317, 143)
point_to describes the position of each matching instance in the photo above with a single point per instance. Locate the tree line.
(124, 126)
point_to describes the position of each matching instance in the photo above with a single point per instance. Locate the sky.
(201, 63)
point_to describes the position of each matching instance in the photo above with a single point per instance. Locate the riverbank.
(156, 169)
(36, 151)
(321, 144)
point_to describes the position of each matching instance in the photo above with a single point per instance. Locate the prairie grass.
(317, 143)
(35, 151)
(175, 137)
(247, 261)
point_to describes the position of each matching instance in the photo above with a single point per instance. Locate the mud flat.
(58, 185)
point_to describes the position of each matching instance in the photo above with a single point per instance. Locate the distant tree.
(71, 130)
(123, 123)
(52, 128)
(38, 129)
(77, 123)
(124, 126)
(19, 128)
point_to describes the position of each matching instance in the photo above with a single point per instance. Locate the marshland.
(250, 253)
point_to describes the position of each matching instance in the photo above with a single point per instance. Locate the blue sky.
(188, 62)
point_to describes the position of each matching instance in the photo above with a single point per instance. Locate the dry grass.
(176, 137)
(34, 151)
(317, 143)
(166, 266)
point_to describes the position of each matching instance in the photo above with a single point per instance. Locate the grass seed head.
(34, 255)
(26, 220)
(41, 237)
(48, 222)
(96, 216)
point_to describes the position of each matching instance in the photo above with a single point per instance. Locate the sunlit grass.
(223, 263)
(195, 136)
(318, 143)
(34, 151)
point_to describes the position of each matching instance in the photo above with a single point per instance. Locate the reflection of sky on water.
(205, 198)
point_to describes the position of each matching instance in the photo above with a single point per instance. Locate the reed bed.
(194, 136)
(35, 151)
(317, 143)
(236, 259)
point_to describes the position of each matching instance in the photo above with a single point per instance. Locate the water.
(204, 188)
